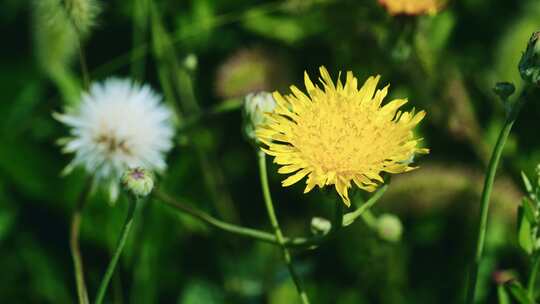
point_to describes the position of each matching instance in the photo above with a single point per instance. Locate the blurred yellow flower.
(412, 7)
(339, 134)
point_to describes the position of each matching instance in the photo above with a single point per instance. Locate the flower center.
(343, 136)
(113, 144)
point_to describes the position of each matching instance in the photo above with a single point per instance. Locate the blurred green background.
(446, 64)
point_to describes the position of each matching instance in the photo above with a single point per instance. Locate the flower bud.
(529, 65)
(255, 105)
(191, 62)
(138, 181)
(389, 227)
(504, 89)
(320, 226)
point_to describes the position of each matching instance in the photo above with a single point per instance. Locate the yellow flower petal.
(340, 134)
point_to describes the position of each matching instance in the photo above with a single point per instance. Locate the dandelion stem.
(350, 217)
(297, 242)
(231, 228)
(486, 193)
(531, 284)
(82, 293)
(277, 229)
(116, 256)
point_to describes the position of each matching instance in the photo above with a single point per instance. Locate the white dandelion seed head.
(118, 125)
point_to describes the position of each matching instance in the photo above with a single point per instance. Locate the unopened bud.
(191, 62)
(504, 89)
(389, 227)
(255, 107)
(320, 226)
(529, 65)
(138, 181)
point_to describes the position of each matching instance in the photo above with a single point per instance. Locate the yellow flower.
(412, 7)
(338, 134)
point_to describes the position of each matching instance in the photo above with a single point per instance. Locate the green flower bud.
(138, 181)
(504, 89)
(529, 65)
(191, 62)
(320, 226)
(389, 227)
(255, 106)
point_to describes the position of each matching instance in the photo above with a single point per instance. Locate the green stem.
(486, 193)
(531, 284)
(116, 256)
(82, 293)
(235, 229)
(277, 229)
(350, 217)
(139, 34)
(369, 219)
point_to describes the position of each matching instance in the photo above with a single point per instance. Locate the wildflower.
(340, 135)
(255, 106)
(412, 7)
(118, 125)
(389, 227)
(138, 181)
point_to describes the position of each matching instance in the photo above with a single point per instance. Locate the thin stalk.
(369, 219)
(486, 194)
(277, 229)
(82, 57)
(116, 256)
(234, 229)
(82, 293)
(84, 68)
(139, 34)
(531, 283)
(350, 217)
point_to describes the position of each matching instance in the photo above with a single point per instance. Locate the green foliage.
(445, 64)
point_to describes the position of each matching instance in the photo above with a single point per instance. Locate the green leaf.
(502, 295)
(526, 182)
(528, 210)
(524, 232)
(518, 292)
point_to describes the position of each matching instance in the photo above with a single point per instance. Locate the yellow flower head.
(412, 7)
(339, 134)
